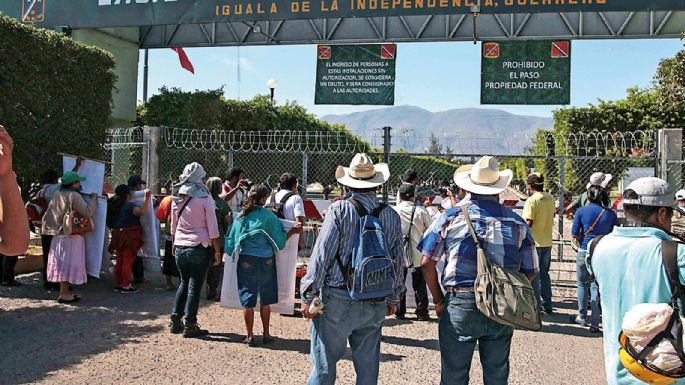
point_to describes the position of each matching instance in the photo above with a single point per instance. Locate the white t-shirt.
(292, 208)
(446, 203)
(235, 203)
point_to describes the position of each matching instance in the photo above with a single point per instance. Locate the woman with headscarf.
(257, 235)
(67, 257)
(195, 234)
(223, 220)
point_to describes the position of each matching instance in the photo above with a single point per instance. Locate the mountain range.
(462, 131)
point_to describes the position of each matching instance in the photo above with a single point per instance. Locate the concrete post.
(562, 191)
(670, 146)
(152, 136)
(305, 160)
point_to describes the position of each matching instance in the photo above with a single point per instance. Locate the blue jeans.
(542, 284)
(586, 289)
(461, 326)
(193, 263)
(344, 319)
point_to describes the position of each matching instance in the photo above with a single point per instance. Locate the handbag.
(75, 223)
(502, 295)
(575, 242)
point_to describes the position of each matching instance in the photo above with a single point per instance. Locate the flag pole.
(145, 76)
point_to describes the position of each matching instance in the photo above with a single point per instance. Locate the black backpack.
(277, 207)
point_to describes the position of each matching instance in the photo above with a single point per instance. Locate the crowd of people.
(364, 252)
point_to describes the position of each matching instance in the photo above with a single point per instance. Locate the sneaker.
(579, 320)
(117, 288)
(176, 326)
(549, 311)
(194, 331)
(127, 290)
(594, 330)
(423, 317)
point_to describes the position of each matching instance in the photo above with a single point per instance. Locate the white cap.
(680, 195)
(599, 179)
(651, 191)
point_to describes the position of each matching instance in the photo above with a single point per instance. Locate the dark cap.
(407, 191)
(535, 179)
(135, 180)
(122, 190)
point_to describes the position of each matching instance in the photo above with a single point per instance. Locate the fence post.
(386, 158)
(562, 191)
(152, 137)
(305, 160)
(230, 160)
(670, 147)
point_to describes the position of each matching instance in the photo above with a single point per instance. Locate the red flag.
(183, 58)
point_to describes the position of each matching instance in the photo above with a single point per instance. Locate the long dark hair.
(256, 194)
(116, 203)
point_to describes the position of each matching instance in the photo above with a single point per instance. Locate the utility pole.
(386, 157)
(145, 75)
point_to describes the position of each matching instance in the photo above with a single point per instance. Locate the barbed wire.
(628, 144)
(262, 141)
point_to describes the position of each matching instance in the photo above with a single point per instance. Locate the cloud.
(245, 64)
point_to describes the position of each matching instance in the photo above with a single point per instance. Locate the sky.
(433, 76)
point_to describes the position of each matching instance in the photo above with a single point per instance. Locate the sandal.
(74, 298)
(249, 341)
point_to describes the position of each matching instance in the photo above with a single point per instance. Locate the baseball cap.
(407, 191)
(599, 179)
(72, 177)
(680, 195)
(651, 191)
(135, 180)
(535, 179)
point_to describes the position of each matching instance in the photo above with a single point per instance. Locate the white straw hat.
(484, 177)
(362, 173)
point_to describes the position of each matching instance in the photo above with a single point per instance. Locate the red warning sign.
(324, 52)
(561, 49)
(388, 51)
(491, 50)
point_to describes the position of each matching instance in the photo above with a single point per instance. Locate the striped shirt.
(336, 236)
(504, 236)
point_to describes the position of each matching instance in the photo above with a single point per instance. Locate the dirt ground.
(113, 338)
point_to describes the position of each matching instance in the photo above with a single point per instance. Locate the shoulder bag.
(502, 295)
(75, 223)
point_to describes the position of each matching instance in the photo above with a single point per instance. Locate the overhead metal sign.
(526, 72)
(122, 13)
(356, 74)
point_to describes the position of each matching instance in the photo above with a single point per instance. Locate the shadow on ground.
(58, 336)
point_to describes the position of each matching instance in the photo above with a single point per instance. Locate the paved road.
(112, 338)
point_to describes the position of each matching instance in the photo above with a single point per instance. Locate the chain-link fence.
(566, 163)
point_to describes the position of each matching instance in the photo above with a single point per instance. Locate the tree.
(434, 147)
(670, 80)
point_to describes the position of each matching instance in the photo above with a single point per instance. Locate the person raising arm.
(14, 230)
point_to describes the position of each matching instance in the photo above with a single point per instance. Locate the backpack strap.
(361, 210)
(377, 211)
(285, 197)
(590, 254)
(669, 255)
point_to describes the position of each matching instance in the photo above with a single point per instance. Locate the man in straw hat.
(344, 319)
(506, 240)
(628, 265)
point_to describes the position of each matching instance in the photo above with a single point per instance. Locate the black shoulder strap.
(183, 208)
(285, 197)
(590, 254)
(359, 207)
(377, 211)
(669, 255)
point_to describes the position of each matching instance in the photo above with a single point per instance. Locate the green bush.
(57, 97)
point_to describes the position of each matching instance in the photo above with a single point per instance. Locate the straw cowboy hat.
(483, 177)
(362, 173)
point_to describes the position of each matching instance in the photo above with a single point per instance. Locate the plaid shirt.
(504, 236)
(337, 236)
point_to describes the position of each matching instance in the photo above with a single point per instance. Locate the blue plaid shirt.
(337, 236)
(504, 236)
